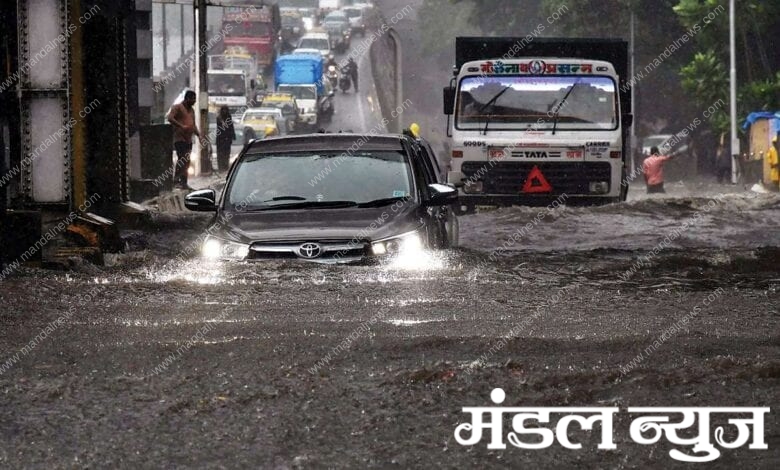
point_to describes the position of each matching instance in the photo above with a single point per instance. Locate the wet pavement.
(162, 359)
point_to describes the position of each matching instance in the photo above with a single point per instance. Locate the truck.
(257, 29)
(227, 87)
(301, 76)
(534, 121)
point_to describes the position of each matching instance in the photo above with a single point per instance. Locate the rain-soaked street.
(161, 359)
(298, 365)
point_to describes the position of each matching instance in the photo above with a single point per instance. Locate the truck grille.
(564, 177)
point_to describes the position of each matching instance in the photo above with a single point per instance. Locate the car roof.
(315, 36)
(278, 97)
(327, 142)
(305, 50)
(264, 109)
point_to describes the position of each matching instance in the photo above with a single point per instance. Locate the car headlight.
(214, 248)
(403, 244)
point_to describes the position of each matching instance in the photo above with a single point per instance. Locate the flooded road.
(158, 357)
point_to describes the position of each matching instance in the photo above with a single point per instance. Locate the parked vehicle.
(269, 209)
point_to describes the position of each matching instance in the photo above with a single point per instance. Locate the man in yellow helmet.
(774, 162)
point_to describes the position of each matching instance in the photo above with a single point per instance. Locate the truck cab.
(529, 130)
(300, 75)
(227, 87)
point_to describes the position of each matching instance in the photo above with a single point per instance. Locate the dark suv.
(330, 198)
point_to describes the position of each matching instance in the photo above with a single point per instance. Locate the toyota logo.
(309, 250)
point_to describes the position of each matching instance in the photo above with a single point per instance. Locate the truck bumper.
(472, 200)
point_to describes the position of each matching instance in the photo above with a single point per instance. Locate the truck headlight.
(403, 244)
(214, 249)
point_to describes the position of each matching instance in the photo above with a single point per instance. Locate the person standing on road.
(182, 117)
(774, 162)
(723, 162)
(653, 169)
(352, 69)
(226, 134)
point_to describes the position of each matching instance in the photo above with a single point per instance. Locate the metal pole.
(734, 138)
(164, 38)
(633, 90)
(399, 80)
(202, 83)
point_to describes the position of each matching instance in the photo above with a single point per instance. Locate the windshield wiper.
(382, 202)
(305, 205)
(489, 103)
(560, 104)
(286, 198)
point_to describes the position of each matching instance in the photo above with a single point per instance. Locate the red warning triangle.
(536, 183)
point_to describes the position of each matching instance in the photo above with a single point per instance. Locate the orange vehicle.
(257, 29)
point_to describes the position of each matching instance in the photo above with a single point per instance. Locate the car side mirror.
(204, 200)
(442, 195)
(449, 100)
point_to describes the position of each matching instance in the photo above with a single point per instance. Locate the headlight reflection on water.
(197, 272)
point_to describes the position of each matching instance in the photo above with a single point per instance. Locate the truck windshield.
(299, 92)
(226, 85)
(248, 29)
(525, 102)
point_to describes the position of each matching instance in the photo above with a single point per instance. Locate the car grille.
(564, 177)
(331, 250)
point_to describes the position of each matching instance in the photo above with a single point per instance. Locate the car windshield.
(541, 103)
(260, 115)
(320, 44)
(274, 179)
(226, 85)
(300, 92)
(287, 107)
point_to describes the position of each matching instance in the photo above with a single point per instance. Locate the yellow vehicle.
(287, 104)
(259, 123)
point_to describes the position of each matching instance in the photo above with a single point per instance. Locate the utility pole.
(734, 139)
(633, 89)
(201, 83)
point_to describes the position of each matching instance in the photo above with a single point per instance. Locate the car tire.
(453, 231)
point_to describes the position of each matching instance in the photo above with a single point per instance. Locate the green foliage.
(706, 77)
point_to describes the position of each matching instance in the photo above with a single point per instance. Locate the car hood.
(319, 224)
